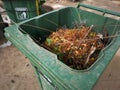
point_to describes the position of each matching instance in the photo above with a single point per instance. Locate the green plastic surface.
(20, 10)
(52, 73)
(99, 9)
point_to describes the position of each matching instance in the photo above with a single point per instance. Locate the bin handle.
(105, 11)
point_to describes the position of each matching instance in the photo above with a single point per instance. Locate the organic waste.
(77, 48)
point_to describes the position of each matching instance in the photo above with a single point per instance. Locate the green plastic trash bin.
(51, 72)
(20, 10)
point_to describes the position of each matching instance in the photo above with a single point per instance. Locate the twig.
(92, 50)
(85, 35)
(112, 36)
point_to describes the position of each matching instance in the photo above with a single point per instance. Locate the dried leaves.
(77, 48)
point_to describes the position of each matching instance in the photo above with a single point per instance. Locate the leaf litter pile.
(77, 48)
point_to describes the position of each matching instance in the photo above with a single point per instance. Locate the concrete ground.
(16, 72)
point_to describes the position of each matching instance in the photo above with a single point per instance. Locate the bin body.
(20, 10)
(52, 73)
